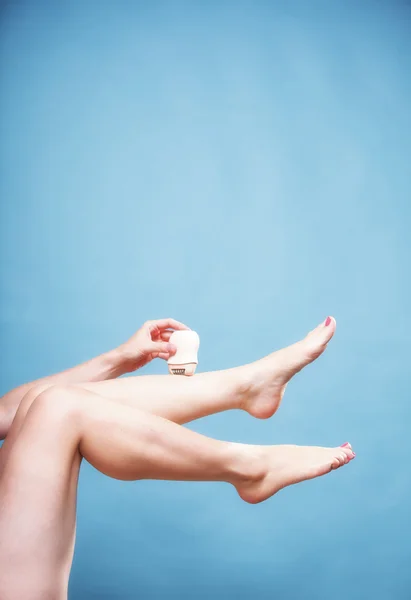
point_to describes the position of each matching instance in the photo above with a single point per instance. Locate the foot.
(275, 467)
(264, 381)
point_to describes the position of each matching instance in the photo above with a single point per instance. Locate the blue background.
(243, 167)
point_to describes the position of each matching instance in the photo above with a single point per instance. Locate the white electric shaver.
(185, 360)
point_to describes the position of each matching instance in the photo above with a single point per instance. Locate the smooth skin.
(131, 429)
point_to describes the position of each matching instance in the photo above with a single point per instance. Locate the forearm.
(106, 366)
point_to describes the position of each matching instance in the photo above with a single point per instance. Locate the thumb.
(163, 348)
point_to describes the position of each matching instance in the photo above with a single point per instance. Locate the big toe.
(307, 350)
(316, 341)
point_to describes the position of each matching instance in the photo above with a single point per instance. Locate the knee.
(51, 401)
(30, 396)
(28, 399)
(55, 403)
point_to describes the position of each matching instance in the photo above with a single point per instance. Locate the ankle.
(246, 464)
(236, 388)
(243, 386)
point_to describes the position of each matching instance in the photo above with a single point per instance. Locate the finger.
(158, 335)
(155, 335)
(166, 335)
(163, 348)
(167, 324)
(153, 355)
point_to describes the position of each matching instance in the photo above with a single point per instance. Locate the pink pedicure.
(327, 321)
(343, 445)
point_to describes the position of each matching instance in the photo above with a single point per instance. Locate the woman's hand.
(150, 341)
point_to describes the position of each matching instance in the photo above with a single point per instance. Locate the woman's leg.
(257, 388)
(39, 477)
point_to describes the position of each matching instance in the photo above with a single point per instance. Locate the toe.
(342, 458)
(297, 356)
(316, 341)
(319, 337)
(348, 451)
(335, 463)
(339, 457)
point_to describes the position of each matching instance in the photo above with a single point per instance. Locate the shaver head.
(187, 369)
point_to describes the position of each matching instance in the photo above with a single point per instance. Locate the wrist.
(116, 362)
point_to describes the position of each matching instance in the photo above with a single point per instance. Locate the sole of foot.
(281, 466)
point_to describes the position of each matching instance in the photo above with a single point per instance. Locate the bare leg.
(39, 477)
(257, 388)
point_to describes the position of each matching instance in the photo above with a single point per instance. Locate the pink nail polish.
(327, 321)
(343, 445)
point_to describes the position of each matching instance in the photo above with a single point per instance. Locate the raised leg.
(39, 476)
(257, 387)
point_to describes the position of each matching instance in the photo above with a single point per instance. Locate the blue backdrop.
(243, 167)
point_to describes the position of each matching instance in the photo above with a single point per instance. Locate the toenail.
(343, 445)
(327, 321)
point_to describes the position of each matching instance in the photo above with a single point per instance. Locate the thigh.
(39, 465)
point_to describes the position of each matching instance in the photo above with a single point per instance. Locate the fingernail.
(343, 445)
(171, 348)
(327, 321)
